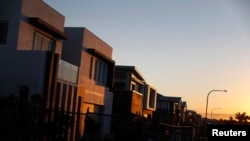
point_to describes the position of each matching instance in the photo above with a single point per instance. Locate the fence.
(26, 123)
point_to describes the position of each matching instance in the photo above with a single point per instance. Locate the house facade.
(169, 110)
(30, 50)
(72, 77)
(149, 100)
(31, 44)
(93, 58)
(130, 89)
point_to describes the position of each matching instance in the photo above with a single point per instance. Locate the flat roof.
(47, 27)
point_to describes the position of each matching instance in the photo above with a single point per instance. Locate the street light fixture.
(212, 111)
(208, 96)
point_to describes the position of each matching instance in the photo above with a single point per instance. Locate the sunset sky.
(183, 48)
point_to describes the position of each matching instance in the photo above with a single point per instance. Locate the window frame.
(101, 72)
(44, 39)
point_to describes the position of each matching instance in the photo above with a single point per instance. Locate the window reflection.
(101, 70)
(43, 43)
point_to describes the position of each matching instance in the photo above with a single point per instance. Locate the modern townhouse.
(149, 100)
(192, 118)
(71, 77)
(174, 117)
(132, 95)
(31, 44)
(93, 58)
(69, 80)
(129, 85)
(169, 109)
(31, 34)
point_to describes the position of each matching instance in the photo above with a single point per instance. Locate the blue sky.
(183, 48)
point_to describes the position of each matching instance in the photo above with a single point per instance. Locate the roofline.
(133, 68)
(39, 23)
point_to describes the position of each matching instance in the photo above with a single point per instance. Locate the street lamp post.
(212, 111)
(208, 96)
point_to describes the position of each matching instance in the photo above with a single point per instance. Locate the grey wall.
(72, 48)
(11, 11)
(22, 68)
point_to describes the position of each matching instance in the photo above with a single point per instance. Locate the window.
(3, 32)
(101, 71)
(91, 68)
(43, 43)
(152, 95)
(133, 86)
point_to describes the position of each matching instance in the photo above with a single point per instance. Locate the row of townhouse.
(73, 71)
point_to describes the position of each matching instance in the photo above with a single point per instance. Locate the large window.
(136, 87)
(3, 32)
(101, 72)
(152, 96)
(43, 43)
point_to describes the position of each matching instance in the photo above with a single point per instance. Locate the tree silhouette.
(231, 120)
(241, 117)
